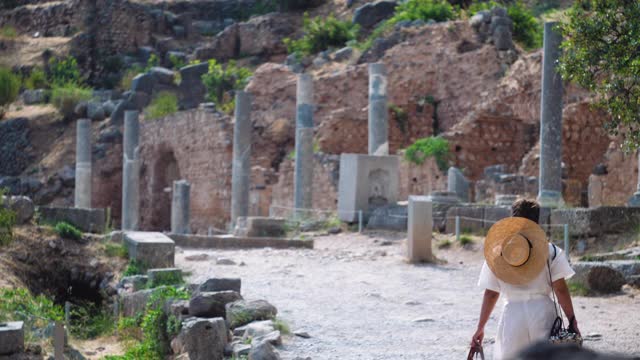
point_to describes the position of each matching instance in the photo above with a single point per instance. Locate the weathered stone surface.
(255, 329)
(595, 222)
(493, 214)
(441, 202)
(221, 284)
(471, 218)
(458, 184)
(191, 89)
(135, 302)
(138, 99)
(389, 217)
(151, 249)
(212, 304)
(273, 337)
(243, 312)
(202, 339)
(343, 54)
(14, 145)
(258, 226)
(31, 97)
(95, 111)
(263, 351)
(420, 229)
(372, 13)
(11, 337)
(162, 76)
(117, 116)
(598, 277)
(87, 220)
(21, 205)
(143, 83)
(133, 283)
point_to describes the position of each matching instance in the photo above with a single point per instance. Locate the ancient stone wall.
(615, 179)
(61, 18)
(193, 145)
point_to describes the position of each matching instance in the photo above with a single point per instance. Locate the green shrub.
(153, 61)
(436, 10)
(68, 231)
(65, 71)
(166, 278)
(444, 244)
(321, 34)
(20, 305)
(8, 32)
(134, 268)
(116, 250)
(465, 240)
(9, 86)
(37, 79)
(164, 104)
(7, 222)
(220, 81)
(176, 62)
(281, 326)
(66, 97)
(156, 327)
(434, 146)
(89, 321)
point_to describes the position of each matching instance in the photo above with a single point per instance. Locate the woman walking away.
(522, 266)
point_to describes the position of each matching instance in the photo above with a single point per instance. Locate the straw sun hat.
(516, 250)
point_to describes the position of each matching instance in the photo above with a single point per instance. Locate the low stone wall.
(233, 242)
(87, 220)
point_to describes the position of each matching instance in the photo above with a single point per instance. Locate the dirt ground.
(358, 299)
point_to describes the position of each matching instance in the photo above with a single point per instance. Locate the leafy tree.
(602, 54)
(221, 80)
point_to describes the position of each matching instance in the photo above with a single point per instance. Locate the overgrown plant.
(322, 33)
(601, 54)
(164, 104)
(8, 32)
(527, 29)
(89, 321)
(9, 86)
(434, 146)
(64, 71)
(20, 305)
(436, 10)
(134, 268)
(37, 79)
(65, 97)
(7, 221)
(220, 82)
(116, 250)
(68, 231)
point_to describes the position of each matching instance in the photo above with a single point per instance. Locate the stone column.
(550, 186)
(378, 112)
(303, 182)
(635, 199)
(83, 164)
(420, 229)
(180, 207)
(457, 183)
(130, 172)
(241, 176)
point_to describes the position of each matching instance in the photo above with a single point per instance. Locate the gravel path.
(358, 300)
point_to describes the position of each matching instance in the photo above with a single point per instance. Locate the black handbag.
(559, 334)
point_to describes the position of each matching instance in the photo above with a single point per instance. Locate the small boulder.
(139, 99)
(22, 206)
(31, 97)
(598, 277)
(255, 329)
(202, 339)
(212, 304)
(369, 14)
(221, 284)
(143, 83)
(243, 312)
(95, 111)
(263, 351)
(163, 75)
(81, 109)
(343, 54)
(133, 283)
(274, 338)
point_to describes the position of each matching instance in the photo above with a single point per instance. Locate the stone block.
(441, 202)
(221, 284)
(135, 303)
(168, 276)
(212, 304)
(471, 219)
(21, 205)
(390, 217)
(373, 12)
(202, 339)
(505, 200)
(11, 337)
(458, 184)
(366, 182)
(143, 83)
(493, 214)
(420, 229)
(87, 220)
(151, 249)
(242, 312)
(259, 226)
(596, 222)
(31, 97)
(163, 75)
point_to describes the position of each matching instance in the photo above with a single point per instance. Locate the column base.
(550, 199)
(634, 201)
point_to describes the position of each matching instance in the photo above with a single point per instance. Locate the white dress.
(528, 312)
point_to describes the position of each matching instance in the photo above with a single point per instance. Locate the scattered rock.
(162, 75)
(31, 97)
(225, 261)
(302, 334)
(255, 329)
(133, 283)
(263, 351)
(143, 83)
(243, 312)
(197, 257)
(598, 277)
(422, 320)
(273, 337)
(95, 111)
(22, 206)
(212, 304)
(221, 284)
(412, 303)
(593, 337)
(343, 54)
(334, 230)
(202, 339)
(241, 349)
(110, 135)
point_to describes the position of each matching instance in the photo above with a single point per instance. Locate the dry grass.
(25, 50)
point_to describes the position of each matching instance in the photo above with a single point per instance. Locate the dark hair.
(529, 209)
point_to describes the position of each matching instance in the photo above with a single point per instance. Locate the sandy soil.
(358, 299)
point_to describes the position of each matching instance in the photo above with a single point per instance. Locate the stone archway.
(165, 171)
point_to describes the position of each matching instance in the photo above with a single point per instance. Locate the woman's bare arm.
(564, 298)
(488, 303)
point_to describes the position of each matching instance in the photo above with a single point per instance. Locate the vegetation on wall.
(68, 231)
(164, 104)
(434, 146)
(601, 54)
(37, 79)
(436, 10)
(7, 221)
(322, 33)
(527, 29)
(64, 71)
(66, 97)
(8, 32)
(9, 86)
(20, 305)
(221, 81)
